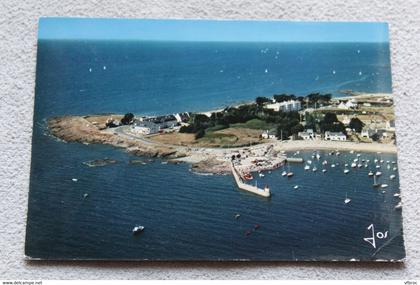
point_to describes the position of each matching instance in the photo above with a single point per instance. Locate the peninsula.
(252, 137)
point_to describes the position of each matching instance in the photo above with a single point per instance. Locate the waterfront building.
(145, 127)
(334, 136)
(268, 135)
(285, 106)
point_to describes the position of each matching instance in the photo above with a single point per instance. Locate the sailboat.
(347, 200)
(375, 183)
(289, 173)
(370, 173)
(307, 167)
(346, 171)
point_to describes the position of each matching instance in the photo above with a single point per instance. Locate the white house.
(305, 135)
(268, 135)
(348, 105)
(145, 127)
(285, 106)
(334, 136)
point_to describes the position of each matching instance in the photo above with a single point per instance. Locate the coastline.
(91, 129)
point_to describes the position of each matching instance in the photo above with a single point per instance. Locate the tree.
(356, 124)
(261, 100)
(375, 137)
(127, 119)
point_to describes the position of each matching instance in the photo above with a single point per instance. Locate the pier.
(253, 189)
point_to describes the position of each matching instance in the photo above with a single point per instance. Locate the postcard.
(213, 140)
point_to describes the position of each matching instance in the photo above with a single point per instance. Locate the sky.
(210, 30)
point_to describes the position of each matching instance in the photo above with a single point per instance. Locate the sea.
(188, 216)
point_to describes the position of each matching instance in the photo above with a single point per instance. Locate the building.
(308, 134)
(144, 127)
(334, 136)
(347, 105)
(182, 117)
(285, 106)
(268, 135)
(390, 125)
(367, 133)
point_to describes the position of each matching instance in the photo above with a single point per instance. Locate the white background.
(18, 29)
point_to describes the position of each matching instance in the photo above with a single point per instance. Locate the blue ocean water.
(189, 216)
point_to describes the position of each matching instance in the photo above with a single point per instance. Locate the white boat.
(394, 168)
(359, 165)
(375, 160)
(104, 67)
(324, 162)
(90, 69)
(261, 174)
(353, 164)
(346, 164)
(314, 169)
(375, 183)
(378, 166)
(324, 170)
(358, 155)
(388, 166)
(355, 160)
(398, 206)
(85, 195)
(284, 173)
(346, 171)
(381, 161)
(290, 174)
(137, 229)
(366, 165)
(384, 185)
(392, 176)
(370, 173)
(378, 173)
(309, 161)
(296, 187)
(307, 167)
(397, 195)
(347, 200)
(318, 156)
(333, 165)
(74, 179)
(352, 151)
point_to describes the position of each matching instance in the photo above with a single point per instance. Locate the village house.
(334, 136)
(268, 135)
(144, 127)
(285, 106)
(308, 134)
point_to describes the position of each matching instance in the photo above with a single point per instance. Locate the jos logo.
(378, 235)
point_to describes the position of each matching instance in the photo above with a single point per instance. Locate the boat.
(346, 164)
(347, 200)
(290, 174)
(378, 166)
(261, 175)
(346, 171)
(307, 167)
(332, 165)
(375, 183)
(138, 229)
(392, 176)
(309, 161)
(388, 166)
(85, 195)
(237, 216)
(397, 195)
(257, 226)
(370, 173)
(324, 162)
(74, 179)
(359, 165)
(318, 156)
(284, 173)
(378, 173)
(398, 206)
(296, 187)
(352, 151)
(384, 185)
(314, 169)
(394, 168)
(248, 232)
(324, 170)
(248, 176)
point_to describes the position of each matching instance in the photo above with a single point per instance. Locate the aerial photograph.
(213, 140)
